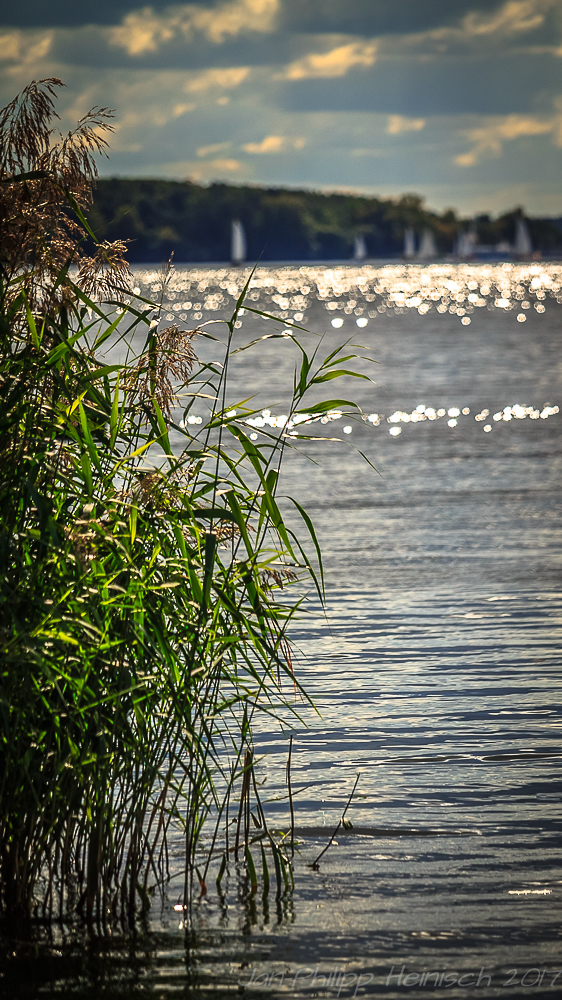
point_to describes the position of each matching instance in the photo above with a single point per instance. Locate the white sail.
(237, 243)
(409, 243)
(523, 246)
(427, 248)
(360, 248)
(466, 243)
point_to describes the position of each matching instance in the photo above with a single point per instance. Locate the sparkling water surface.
(435, 668)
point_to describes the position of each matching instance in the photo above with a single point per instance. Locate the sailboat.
(522, 246)
(237, 243)
(360, 248)
(427, 248)
(409, 243)
(466, 243)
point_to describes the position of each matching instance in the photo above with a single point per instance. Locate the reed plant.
(144, 616)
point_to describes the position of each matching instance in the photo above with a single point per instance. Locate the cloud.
(230, 165)
(11, 46)
(512, 18)
(271, 144)
(488, 83)
(197, 170)
(182, 109)
(389, 16)
(144, 31)
(373, 153)
(209, 78)
(145, 104)
(336, 62)
(399, 123)
(25, 48)
(489, 139)
(274, 144)
(477, 32)
(215, 147)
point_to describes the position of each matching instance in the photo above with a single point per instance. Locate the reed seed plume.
(170, 355)
(106, 276)
(46, 182)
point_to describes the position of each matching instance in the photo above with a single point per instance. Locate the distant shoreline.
(282, 226)
(370, 262)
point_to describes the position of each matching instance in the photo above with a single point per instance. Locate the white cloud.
(215, 147)
(144, 31)
(143, 102)
(336, 62)
(209, 78)
(476, 32)
(205, 170)
(373, 153)
(514, 17)
(399, 123)
(271, 144)
(11, 46)
(274, 144)
(25, 49)
(182, 109)
(229, 165)
(237, 17)
(197, 170)
(488, 139)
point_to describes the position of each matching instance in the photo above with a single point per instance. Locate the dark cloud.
(87, 47)
(66, 13)
(346, 16)
(377, 17)
(498, 85)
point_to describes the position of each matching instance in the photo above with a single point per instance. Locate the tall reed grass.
(144, 619)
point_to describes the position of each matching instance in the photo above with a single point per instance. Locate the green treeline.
(161, 216)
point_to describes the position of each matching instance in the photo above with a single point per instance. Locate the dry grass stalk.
(271, 578)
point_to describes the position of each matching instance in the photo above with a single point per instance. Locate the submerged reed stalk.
(141, 629)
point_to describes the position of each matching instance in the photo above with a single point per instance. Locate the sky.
(459, 101)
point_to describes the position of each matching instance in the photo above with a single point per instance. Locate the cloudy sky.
(457, 100)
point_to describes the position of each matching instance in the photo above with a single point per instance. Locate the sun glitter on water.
(359, 295)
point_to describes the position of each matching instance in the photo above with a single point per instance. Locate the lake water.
(435, 669)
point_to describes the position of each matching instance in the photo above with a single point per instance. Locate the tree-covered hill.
(161, 216)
